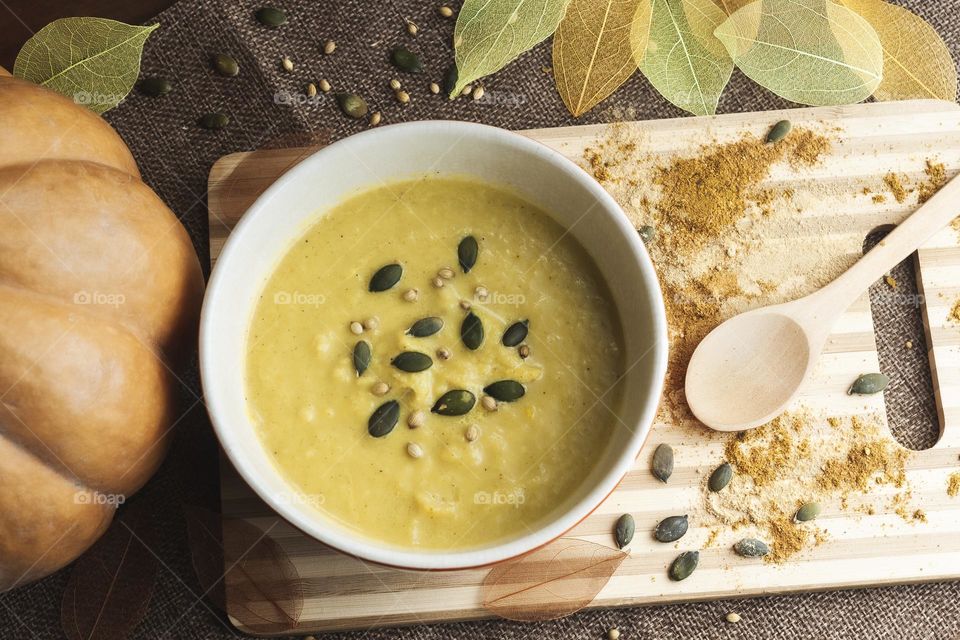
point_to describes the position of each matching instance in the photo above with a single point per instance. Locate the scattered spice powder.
(896, 187)
(953, 485)
(936, 178)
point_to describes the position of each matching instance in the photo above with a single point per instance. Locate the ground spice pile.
(953, 485)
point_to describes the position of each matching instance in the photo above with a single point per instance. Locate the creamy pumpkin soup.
(435, 364)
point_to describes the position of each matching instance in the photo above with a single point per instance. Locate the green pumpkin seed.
(455, 403)
(352, 105)
(647, 233)
(155, 86)
(663, 462)
(515, 333)
(214, 120)
(671, 529)
(425, 327)
(386, 277)
(684, 565)
(450, 79)
(406, 60)
(779, 131)
(720, 477)
(807, 512)
(271, 16)
(505, 390)
(467, 252)
(362, 355)
(471, 331)
(384, 419)
(623, 532)
(412, 361)
(225, 65)
(869, 383)
(751, 548)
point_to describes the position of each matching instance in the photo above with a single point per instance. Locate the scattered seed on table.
(663, 462)
(375, 118)
(402, 96)
(733, 617)
(449, 79)
(395, 84)
(270, 16)
(779, 131)
(226, 65)
(445, 11)
(467, 90)
(414, 450)
(154, 86)
(434, 88)
(287, 64)
(624, 530)
(472, 433)
(324, 85)
(411, 28)
(416, 419)
(214, 120)
(311, 90)
(720, 477)
(807, 512)
(356, 328)
(868, 384)
(352, 105)
(671, 529)
(411, 295)
(329, 47)
(647, 233)
(477, 93)
(380, 388)
(751, 548)
(613, 634)
(488, 403)
(684, 565)
(406, 60)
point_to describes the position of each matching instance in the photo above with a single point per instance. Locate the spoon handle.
(906, 238)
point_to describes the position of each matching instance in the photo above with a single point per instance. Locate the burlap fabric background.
(175, 156)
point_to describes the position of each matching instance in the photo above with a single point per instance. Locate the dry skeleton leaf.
(592, 56)
(916, 62)
(554, 581)
(491, 33)
(814, 52)
(244, 572)
(674, 46)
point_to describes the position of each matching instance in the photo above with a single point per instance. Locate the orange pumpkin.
(100, 291)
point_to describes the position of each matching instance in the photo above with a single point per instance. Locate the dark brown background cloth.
(175, 156)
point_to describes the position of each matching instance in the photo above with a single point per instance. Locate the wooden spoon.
(747, 370)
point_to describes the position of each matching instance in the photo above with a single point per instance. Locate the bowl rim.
(369, 549)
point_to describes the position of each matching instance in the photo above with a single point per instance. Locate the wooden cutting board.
(341, 592)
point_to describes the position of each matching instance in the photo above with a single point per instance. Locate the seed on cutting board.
(647, 233)
(386, 277)
(488, 403)
(371, 323)
(311, 90)
(471, 331)
(362, 354)
(663, 462)
(329, 47)
(671, 529)
(524, 351)
(505, 390)
(416, 419)
(412, 361)
(155, 86)
(472, 433)
(225, 65)
(214, 120)
(624, 530)
(414, 450)
(406, 60)
(684, 565)
(395, 84)
(270, 16)
(456, 402)
(467, 252)
(449, 82)
(868, 383)
(751, 548)
(375, 118)
(402, 96)
(411, 295)
(324, 85)
(779, 131)
(352, 105)
(356, 328)
(384, 419)
(380, 389)
(720, 477)
(287, 64)
(515, 333)
(445, 11)
(425, 327)
(434, 88)
(807, 512)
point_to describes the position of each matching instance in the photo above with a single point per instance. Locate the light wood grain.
(347, 593)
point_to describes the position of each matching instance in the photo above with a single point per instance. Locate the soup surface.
(435, 481)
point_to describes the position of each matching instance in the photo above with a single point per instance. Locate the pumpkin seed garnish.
(869, 383)
(455, 402)
(646, 233)
(406, 60)
(779, 131)
(807, 512)
(623, 532)
(270, 16)
(362, 355)
(467, 252)
(663, 462)
(352, 105)
(720, 477)
(684, 565)
(412, 361)
(505, 390)
(214, 120)
(471, 331)
(515, 333)
(671, 529)
(425, 327)
(751, 548)
(449, 82)
(226, 65)
(384, 419)
(386, 277)
(155, 86)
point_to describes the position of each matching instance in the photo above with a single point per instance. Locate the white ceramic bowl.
(302, 195)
